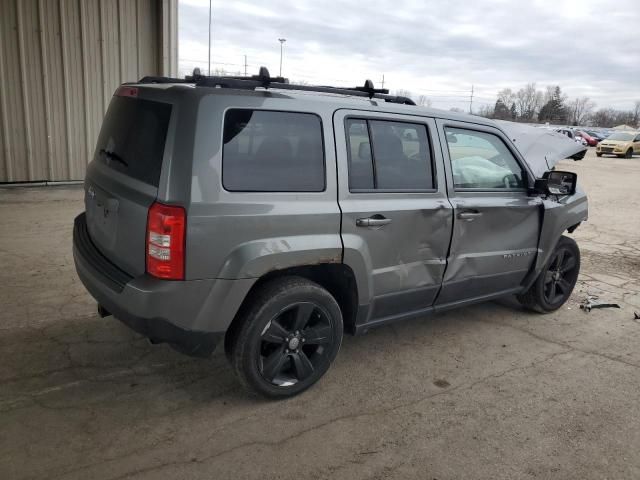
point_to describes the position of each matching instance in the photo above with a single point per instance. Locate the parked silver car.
(272, 218)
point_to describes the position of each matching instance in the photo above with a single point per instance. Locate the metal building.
(60, 62)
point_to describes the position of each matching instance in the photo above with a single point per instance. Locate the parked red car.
(592, 141)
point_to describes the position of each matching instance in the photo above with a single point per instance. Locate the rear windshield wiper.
(113, 156)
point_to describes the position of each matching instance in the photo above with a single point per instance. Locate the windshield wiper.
(113, 156)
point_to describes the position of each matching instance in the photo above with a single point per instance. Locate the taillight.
(166, 225)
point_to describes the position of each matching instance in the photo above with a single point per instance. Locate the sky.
(440, 49)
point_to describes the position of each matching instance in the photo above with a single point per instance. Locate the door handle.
(373, 221)
(469, 216)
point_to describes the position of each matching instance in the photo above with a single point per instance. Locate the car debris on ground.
(592, 302)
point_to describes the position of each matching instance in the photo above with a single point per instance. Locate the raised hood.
(541, 148)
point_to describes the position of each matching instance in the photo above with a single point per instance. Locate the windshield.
(625, 137)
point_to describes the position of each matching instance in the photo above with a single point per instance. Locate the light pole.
(281, 40)
(209, 62)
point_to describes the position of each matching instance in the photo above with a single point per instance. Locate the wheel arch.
(337, 278)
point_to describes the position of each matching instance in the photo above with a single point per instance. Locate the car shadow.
(93, 360)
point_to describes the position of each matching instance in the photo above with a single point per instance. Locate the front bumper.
(613, 150)
(191, 315)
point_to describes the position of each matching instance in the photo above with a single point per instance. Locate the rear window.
(270, 151)
(388, 156)
(132, 137)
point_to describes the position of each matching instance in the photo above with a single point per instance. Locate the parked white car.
(571, 134)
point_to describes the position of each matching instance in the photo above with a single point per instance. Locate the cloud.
(428, 47)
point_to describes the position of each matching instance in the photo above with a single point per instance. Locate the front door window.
(481, 160)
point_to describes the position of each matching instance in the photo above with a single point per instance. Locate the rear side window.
(133, 136)
(388, 155)
(269, 151)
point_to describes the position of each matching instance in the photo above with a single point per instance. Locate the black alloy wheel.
(554, 284)
(560, 277)
(295, 343)
(286, 337)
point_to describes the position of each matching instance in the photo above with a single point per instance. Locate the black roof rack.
(264, 80)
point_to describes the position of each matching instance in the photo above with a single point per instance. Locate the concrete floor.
(485, 392)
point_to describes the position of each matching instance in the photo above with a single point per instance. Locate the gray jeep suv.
(271, 218)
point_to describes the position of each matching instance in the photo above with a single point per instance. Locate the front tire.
(557, 279)
(287, 337)
(598, 154)
(629, 153)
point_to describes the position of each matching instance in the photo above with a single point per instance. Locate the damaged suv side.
(272, 218)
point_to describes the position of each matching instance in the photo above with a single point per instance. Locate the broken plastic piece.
(592, 302)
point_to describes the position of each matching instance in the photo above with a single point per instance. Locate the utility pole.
(281, 40)
(245, 65)
(382, 81)
(209, 63)
(471, 101)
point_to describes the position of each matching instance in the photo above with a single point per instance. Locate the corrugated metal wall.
(60, 62)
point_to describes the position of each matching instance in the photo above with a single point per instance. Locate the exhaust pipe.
(103, 312)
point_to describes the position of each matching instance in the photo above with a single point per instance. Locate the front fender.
(558, 216)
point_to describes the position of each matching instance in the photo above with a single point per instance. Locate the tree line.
(551, 105)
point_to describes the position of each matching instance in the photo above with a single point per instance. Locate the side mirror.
(557, 183)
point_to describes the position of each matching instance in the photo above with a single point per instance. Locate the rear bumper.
(158, 330)
(192, 315)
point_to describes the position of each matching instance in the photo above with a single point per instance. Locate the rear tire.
(557, 279)
(287, 337)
